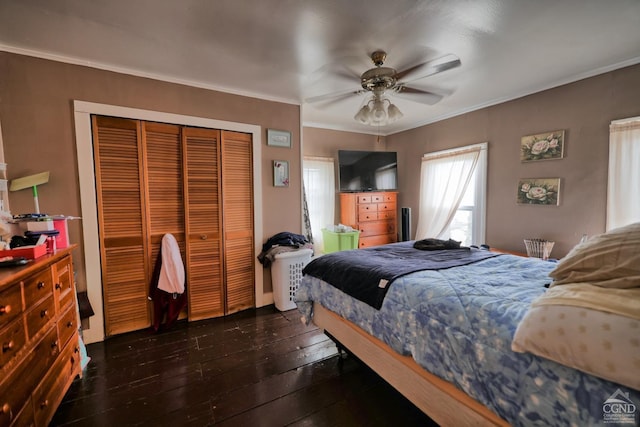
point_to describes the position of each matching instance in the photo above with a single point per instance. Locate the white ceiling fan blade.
(428, 68)
(417, 95)
(340, 95)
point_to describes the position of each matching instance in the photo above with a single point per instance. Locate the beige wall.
(36, 112)
(583, 109)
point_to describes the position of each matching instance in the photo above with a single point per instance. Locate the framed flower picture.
(543, 146)
(539, 191)
(280, 173)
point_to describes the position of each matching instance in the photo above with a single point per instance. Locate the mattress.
(458, 324)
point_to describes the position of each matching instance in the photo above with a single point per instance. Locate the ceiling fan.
(382, 81)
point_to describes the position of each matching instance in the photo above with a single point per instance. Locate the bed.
(445, 338)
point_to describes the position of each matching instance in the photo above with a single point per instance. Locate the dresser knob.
(7, 346)
(44, 403)
(5, 409)
(58, 286)
(69, 324)
(203, 237)
(40, 285)
(54, 344)
(5, 309)
(44, 313)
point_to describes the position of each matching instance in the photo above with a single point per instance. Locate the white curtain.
(319, 184)
(623, 192)
(444, 177)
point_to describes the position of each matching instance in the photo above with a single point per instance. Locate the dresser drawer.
(39, 316)
(367, 216)
(383, 239)
(389, 197)
(10, 304)
(63, 283)
(16, 388)
(12, 339)
(366, 198)
(37, 287)
(50, 392)
(25, 417)
(386, 207)
(387, 215)
(377, 227)
(67, 325)
(377, 198)
(368, 208)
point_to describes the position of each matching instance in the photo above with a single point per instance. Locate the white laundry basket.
(286, 273)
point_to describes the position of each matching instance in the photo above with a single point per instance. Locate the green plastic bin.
(334, 242)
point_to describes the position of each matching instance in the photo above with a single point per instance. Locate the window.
(453, 195)
(320, 193)
(623, 190)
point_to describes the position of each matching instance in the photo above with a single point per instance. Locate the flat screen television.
(368, 170)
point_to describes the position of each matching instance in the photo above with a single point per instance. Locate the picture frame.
(280, 173)
(538, 191)
(542, 146)
(278, 138)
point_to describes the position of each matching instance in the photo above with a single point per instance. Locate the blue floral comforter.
(458, 324)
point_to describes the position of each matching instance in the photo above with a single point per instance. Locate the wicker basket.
(538, 248)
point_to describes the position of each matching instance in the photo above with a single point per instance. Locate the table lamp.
(30, 181)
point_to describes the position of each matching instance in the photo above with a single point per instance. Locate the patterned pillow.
(599, 343)
(610, 260)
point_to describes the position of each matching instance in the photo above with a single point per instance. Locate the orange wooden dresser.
(40, 353)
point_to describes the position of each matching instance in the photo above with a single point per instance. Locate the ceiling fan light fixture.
(394, 113)
(378, 111)
(378, 114)
(363, 114)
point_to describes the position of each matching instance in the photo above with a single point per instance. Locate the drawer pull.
(8, 346)
(6, 409)
(40, 285)
(44, 403)
(44, 313)
(70, 324)
(203, 237)
(58, 286)
(5, 309)
(54, 344)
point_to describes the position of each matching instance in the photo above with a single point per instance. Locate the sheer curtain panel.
(623, 190)
(319, 185)
(444, 177)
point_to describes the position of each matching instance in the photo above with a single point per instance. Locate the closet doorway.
(156, 178)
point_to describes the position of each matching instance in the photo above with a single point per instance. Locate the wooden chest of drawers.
(40, 354)
(375, 214)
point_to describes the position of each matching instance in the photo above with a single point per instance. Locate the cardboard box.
(29, 252)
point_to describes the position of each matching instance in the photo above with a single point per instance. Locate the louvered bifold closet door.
(164, 186)
(122, 229)
(237, 191)
(202, 208)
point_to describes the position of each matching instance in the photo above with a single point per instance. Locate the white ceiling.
(289, 50)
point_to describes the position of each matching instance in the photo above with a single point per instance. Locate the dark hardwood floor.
(255, 368)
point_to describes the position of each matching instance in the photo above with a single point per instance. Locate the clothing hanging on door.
(167, 286)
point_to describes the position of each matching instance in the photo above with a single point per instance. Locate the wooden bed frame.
(439, 399)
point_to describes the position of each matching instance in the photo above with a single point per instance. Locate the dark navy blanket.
(366, 274)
